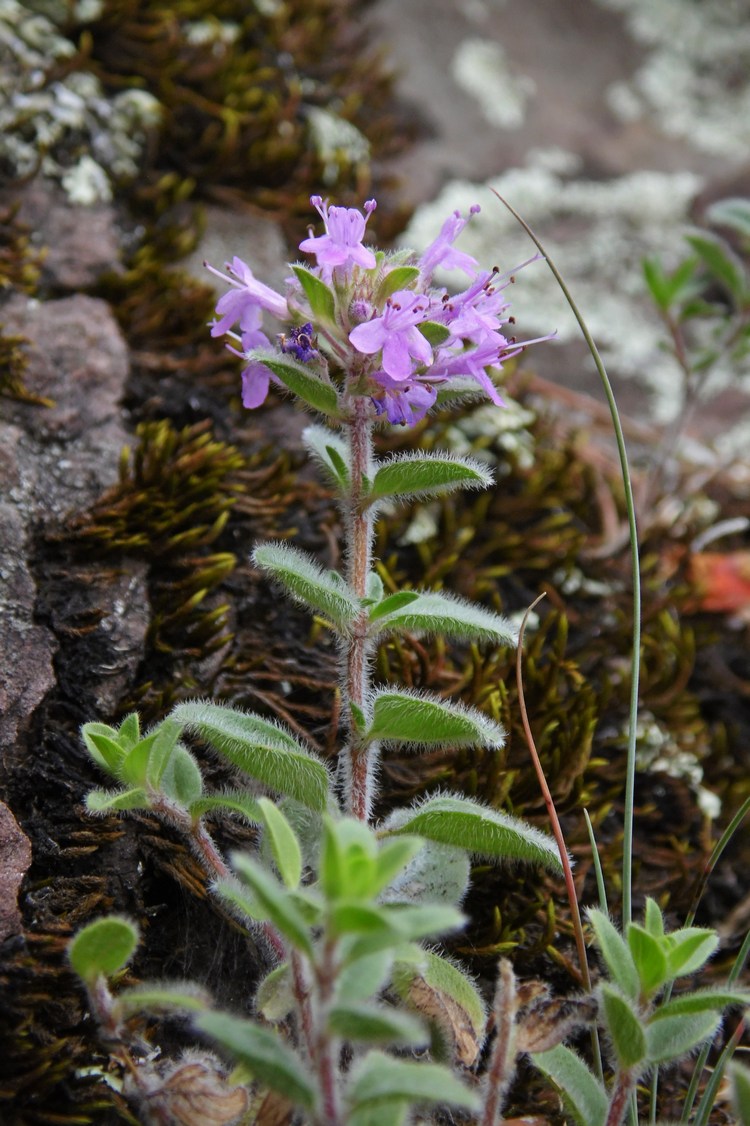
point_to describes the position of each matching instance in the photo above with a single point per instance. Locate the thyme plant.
(340, 904)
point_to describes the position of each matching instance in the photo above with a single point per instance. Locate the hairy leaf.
(262, 749)
(106, 801)
(331, 452)
(282, 842)
(319, 296)
(410, 717)
(300, 380)
(103, 947)
(423, 475)
(380, 1079)
(156, 996)
(266, 1056)
(649, 957)
(376, 1024)
(669, 1038)
(582, 1093)
(468, 825)
(275, 901)
(702, 1001)
(615, 952)
(103, 744)
(624, 1027)
(433, 613)
(231, 801)
(323, 591)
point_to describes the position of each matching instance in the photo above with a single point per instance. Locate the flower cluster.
(373, 324)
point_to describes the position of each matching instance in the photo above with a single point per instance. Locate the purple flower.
(342, 242)
(301, 342)
(244, 302)
(441, 252)
(404, 403)
(395, 332)
(476, 313)
(255, 375)
(473, 363)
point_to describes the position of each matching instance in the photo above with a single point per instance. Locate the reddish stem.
(359, 556)
(620, 1101)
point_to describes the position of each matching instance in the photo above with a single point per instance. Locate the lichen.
(55, 117)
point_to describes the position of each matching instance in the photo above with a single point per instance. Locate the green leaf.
(331, 452)
(670, 290)
(162, 748)
(103, 744)
(702, 1001)
(422, 475)
(232, 801)
(380, 1079)
(375, 588)
(182, 780)
(394, 1113)
(299, 379)
(274, 998)
(689, 949)
(668, 1038)
(133, 769)
(320, 298)
(721, 262)
(434, 333)
(733, 212)
(325, 592)
(260, 1050)
(393, 856)
(103, 947)
(615, 952)
(110, 801)
(740, 1077)
(391, 603)
(129, 732)
(624, 1027)
(583, 1095)
(420, 920)
(282, 842)
(399, 277)
(347, 859)
(470, 826)
(156, 996)
(423, 721)
(649, 957)
(433, 613)
(438, 873)
(376, 1025)
(362, 979)
(262, 749)
(241, 900)
(352, 916)
(653, 918)
(275, 901)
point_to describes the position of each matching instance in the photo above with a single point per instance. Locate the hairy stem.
(502, 1063)
(356, 655)
(621, 1097)
(326, 1049)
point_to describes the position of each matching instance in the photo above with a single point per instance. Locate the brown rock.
(15, 858)
(79, 243)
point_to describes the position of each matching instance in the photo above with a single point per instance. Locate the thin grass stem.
(627, 858)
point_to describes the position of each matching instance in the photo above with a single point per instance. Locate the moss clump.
(243, 87)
